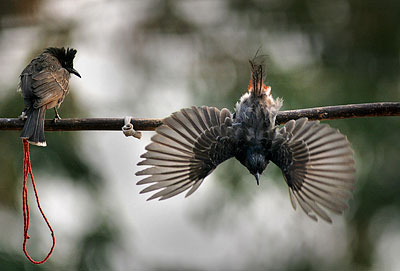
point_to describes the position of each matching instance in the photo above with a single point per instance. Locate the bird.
(44, 85)
(316, 160)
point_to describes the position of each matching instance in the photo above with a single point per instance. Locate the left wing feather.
(317, 164)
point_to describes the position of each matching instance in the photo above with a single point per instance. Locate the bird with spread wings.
(316, 160)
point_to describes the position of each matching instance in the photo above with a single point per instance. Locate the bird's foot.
(23, 116)
(56, 118)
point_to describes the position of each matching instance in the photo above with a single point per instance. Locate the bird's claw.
(56, 118)
(23, 116)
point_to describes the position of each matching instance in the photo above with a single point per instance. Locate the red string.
(25, 205)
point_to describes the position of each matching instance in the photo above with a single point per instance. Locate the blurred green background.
(151, 58)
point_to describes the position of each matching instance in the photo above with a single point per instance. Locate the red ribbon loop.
(25, 205)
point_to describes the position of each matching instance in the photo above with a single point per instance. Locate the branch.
(141, 124)
(349, 111)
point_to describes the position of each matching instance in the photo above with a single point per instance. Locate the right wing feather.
(188, 147)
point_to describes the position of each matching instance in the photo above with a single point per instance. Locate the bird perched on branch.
(44, 84)
(316, 160)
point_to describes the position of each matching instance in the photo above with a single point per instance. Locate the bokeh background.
(151, 58)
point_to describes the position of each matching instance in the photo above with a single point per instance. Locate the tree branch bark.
(142, 124)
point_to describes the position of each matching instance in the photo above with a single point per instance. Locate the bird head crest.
(65, 57)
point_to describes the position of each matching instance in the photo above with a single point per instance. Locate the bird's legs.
(57, 116)
(23, 115)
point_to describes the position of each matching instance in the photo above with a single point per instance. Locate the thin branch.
(89, 124)
(349, 111)
(141, 124)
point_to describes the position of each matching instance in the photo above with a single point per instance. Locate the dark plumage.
(316, 160)
(44, 84)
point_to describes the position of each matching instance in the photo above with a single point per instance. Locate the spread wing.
(45, 86)
(317, 164)
(189, 146)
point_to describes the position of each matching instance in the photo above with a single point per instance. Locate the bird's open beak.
(75, 72)
(257, 175)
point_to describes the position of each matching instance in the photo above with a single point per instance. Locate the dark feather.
(258, 73)
(64, 56)
(34, 126)
(318, 166)
(188, 147)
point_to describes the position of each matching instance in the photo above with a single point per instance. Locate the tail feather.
(34, 126)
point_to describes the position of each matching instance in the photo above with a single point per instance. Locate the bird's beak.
(257, 175)
(75, 72)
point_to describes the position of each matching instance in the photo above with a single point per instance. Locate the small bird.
(44, 84)
(316, 160)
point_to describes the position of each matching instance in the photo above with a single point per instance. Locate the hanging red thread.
(25, 205)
